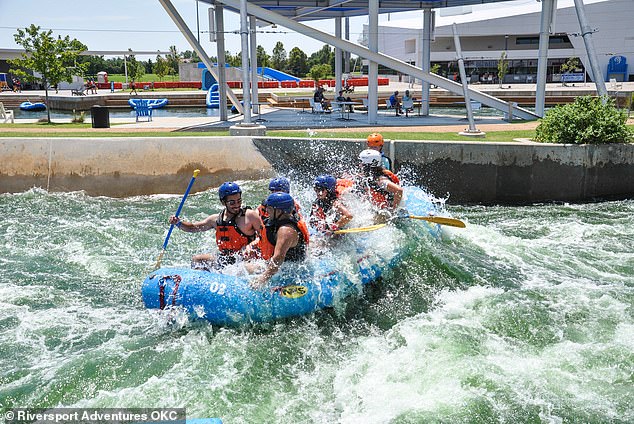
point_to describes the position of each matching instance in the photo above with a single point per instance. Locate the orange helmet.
(375, 140)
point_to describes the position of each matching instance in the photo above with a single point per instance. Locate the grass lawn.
(86, 130)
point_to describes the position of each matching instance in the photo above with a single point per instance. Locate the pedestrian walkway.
(289, 118)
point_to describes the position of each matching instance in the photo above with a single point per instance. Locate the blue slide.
(213, 97)
(277, 75)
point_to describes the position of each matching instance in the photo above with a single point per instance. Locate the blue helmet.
(227, 189)
(326, 181)
(280, 184)
(281, 201)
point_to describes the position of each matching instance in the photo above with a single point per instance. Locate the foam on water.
(526, 315)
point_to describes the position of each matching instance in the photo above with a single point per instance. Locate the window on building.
(553, 39)
(410, 46)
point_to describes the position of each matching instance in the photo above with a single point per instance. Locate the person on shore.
(396, 103)
(381, 186)
(342, 98)
(284, 238)
(375, 142)
(236, 227)
(319, 97)
(328, 213)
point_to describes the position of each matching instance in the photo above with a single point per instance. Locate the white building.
(487, 31)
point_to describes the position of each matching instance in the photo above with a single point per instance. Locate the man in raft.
(235, 226)
(375, 142)
(380, 185)
(278, 184)
(328, 213)
(284, 238)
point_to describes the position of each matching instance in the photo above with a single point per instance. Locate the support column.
(244, 38)
(191, 39)
(254, 66)
(346, 54)
(425, 62)
(465, 88)
(338, 52)
(542, 56)
(586, 33)
(222, 71)
(373, 67)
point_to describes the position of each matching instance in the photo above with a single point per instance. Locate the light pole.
(197, 23)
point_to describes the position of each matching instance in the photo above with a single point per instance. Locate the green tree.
(148, 66)
(278, 59)
(503, 68)
(233, 60)
(297, 62)
(191, 56)
(263, 58)
(136, 70)
(54, 59)
(160, 67)
(325, 55)
(570, 65)
(173, 59)
(318, 72)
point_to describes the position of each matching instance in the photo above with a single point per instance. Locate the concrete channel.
(470, 172)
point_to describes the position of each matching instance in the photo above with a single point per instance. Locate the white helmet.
(370, 157)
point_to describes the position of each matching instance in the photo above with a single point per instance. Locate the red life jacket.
(380, 196)
(322, 213)
(229, 238)
(268, 238)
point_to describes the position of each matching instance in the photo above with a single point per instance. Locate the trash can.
(100, 117)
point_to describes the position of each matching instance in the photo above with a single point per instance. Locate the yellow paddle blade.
(158, 261)
(360, 229)
(441, 220)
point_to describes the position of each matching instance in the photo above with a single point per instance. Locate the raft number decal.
(293, 292)
(218, 288)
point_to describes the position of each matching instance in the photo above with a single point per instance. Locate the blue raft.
(227, 300)
(153, 103)
(32, 106)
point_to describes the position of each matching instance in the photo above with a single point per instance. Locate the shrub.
(586, 121)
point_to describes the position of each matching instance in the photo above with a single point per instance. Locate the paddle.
(360, 229)
(441, 220)
(178, 211)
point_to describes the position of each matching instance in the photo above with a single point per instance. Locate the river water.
(525, 316)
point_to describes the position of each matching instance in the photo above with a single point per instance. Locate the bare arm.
(195, 227)
(287, 237)
(346, 216)
(397, 191)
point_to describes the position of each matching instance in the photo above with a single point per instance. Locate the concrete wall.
(121, 167)
(471, 172)
(477, 172)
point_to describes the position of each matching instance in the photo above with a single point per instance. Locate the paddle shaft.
(178, 211)
(440, 220)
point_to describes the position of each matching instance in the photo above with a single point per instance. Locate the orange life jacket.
(343, 185)
(229, 238)
(268, 238)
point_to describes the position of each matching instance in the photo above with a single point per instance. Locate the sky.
(143, 25)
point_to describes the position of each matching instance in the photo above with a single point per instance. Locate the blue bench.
(143, 110)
